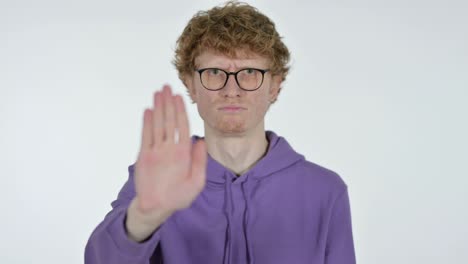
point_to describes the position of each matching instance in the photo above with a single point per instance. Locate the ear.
(275, 87)
(189, 84)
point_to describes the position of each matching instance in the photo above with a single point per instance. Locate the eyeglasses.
(248, 79)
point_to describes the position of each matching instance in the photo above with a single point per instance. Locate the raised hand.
(169, 172)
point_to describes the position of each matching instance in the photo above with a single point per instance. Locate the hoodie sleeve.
(340, 246)
(109, 243)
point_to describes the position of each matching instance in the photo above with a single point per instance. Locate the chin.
(231, 127)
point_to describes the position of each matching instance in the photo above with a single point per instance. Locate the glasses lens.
(250, 79)
(213, 79)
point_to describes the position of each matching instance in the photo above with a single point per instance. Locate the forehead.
(242, 59)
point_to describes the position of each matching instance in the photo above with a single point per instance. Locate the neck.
(237, 152)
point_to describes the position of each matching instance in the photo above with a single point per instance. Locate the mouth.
(231, 108)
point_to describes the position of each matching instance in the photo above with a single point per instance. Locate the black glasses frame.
(200, 71)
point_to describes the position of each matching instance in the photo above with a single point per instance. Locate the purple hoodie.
(283, 210)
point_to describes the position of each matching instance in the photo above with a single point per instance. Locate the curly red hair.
(229, 29)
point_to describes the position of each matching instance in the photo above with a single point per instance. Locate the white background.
(377, 92)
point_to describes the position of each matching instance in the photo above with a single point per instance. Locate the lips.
(231, 108)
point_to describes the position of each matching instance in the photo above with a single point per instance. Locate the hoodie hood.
(280, 155)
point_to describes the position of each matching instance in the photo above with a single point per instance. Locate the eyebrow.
(214, 65)
(248, 63)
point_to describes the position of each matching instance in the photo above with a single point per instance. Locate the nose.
(231, 89)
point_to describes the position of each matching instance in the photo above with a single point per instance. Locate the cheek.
(204, 103)
(261, 105)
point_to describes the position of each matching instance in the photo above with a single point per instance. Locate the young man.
(240, 194)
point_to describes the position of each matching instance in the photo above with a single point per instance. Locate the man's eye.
(214, 71)
(250, 71)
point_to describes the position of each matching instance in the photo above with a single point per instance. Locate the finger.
(147, 131)
(169, 115)
(199, 160)
(182, 124)
(158, 119)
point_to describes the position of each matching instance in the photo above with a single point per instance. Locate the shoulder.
(321, 178)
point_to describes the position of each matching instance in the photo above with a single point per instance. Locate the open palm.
(169, 171)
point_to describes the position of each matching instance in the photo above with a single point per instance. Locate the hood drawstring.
(227, 209)
(246, 220)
